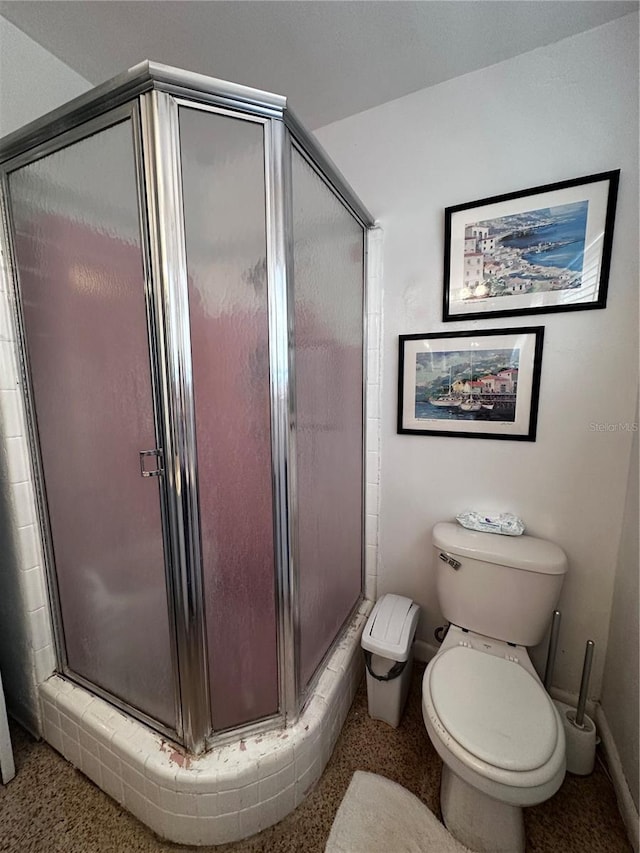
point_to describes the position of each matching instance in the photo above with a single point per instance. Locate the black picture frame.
(534, 251)
(479, 384)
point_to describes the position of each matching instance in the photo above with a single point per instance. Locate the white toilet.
(486, 711)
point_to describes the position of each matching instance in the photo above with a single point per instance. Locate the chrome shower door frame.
(283, 135)
(163, 202)
(161, 142)
(78, 131)
(151, 93)
(299, 139)
(283, 407)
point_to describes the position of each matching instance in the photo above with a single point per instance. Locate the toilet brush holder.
(579, 729)
(580, 740)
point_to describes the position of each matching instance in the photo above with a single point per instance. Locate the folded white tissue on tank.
(505, 523)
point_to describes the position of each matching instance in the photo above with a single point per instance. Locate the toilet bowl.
(486, 711)
(498, 734)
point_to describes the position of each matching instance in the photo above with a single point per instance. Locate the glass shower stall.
(188, 278)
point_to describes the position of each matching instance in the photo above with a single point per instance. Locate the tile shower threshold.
(228, 793)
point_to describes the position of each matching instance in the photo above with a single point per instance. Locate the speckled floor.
(52, 808)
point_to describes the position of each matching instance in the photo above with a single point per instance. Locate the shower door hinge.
(158, 470)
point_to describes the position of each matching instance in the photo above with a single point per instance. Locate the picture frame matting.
(480, 384)
(533, 251)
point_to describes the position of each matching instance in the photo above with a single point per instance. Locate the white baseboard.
(626, 805)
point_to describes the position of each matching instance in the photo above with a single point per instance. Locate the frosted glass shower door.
(328, 251)
(225, 224)
(82, 286)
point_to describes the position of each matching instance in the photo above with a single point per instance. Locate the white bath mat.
(378, 816)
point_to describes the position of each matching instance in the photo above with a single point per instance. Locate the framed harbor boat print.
(531, 252)
(481, 384)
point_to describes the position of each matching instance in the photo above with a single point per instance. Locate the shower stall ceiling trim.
(188, 273)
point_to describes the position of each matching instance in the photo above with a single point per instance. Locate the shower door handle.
(158, 470)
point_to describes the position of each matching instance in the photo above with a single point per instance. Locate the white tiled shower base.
(230, 792)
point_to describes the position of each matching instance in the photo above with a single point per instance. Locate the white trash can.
(387, 642)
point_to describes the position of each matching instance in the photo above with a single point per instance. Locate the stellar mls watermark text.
(604, 426)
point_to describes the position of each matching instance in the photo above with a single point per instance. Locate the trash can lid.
(390, 627)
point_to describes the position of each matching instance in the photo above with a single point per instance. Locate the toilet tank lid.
(519, 552)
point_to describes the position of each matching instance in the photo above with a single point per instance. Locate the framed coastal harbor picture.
(481, 384)
(531, 252)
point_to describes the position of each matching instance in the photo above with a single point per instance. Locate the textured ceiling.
(331, 59)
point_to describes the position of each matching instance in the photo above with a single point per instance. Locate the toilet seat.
(515, 787)
(493, 708)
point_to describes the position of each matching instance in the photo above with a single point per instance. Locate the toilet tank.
(505, 587)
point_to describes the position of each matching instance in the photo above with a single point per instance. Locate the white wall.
(33, 80)
(559, 112)
(620, 688)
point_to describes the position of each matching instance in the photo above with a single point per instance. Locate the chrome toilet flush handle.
(447, 558)
(158, 470)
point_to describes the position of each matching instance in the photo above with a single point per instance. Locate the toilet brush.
(584, 684)
(579, 729)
